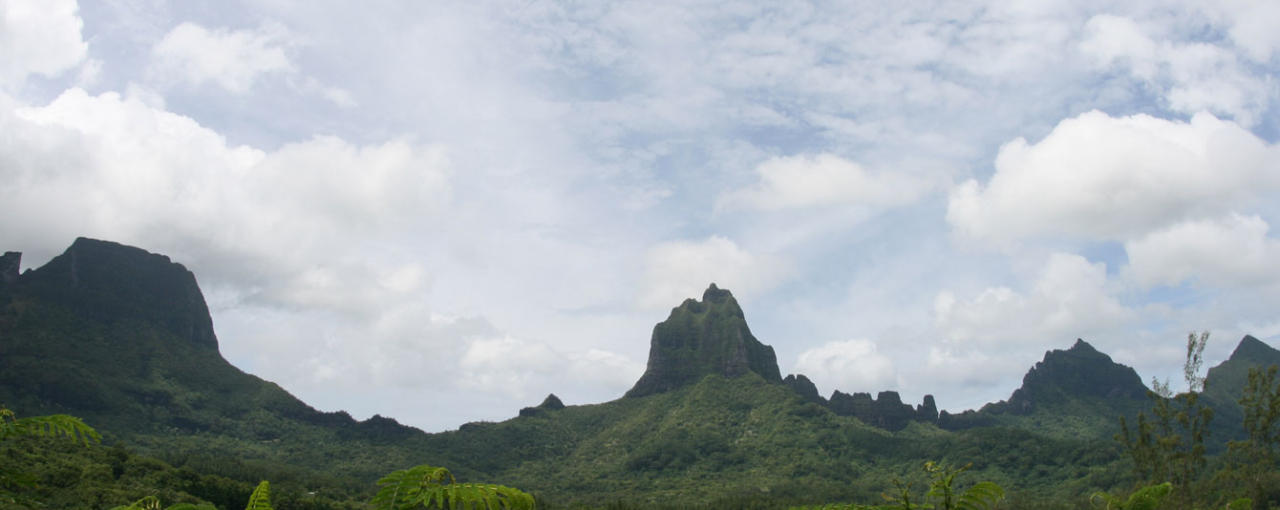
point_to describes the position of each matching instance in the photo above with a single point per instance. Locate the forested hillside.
(123, 339)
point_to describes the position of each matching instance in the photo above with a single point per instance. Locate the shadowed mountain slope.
(1070, 392)
(123, 338)
(1224, 385)
(700, 338)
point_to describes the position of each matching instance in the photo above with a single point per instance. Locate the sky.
(443, 211)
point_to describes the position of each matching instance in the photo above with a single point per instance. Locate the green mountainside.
(122, 338)
(700, 338)
(1079, 390)
(1224, 386)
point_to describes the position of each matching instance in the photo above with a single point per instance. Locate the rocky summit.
(701, 338)
(1080, 371)
(110, 282)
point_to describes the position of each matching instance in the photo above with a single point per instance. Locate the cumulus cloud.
(118, 168)
(39, 37)
(679, 270)
(821, 180)
(1252, 29)
(1107, 178)
(848, 366)
(1070, 298)
(301, 249)
(1234, 251)
(524, 368)
(231, 59)
(1191, 76)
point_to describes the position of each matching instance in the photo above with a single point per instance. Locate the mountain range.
(123, 338)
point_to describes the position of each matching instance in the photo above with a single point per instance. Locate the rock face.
(885, 411)
(701, 338)
(805, 388)
(1080, 371)
(1252, 349)
(109, 282)
(9, 266)
(1224, 386)
(551, 403)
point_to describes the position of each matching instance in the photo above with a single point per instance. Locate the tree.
(1256, 458)
(1170, 446)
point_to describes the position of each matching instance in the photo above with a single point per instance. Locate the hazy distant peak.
(1252, 349)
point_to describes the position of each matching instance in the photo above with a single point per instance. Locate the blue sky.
(443, 211)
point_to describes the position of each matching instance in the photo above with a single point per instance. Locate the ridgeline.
(123, 339)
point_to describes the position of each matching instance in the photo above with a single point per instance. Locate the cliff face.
(1080, 371)
(1224, 385)
(886, 411)
(109, 282)
(700, 338)
(9, 263)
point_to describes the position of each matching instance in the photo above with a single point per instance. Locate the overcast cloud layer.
(443, 211)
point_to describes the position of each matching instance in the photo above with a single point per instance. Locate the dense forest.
(120, 339)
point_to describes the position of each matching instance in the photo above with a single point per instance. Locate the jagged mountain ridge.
(123, 339)
(727, 405)
(1080, 380)
(1224, 385)
(704, 337)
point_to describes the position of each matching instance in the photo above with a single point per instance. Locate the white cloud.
(232, 59)
(678, 270)
(1253, 26)
(1101, 177)
(1070, 298)
(120, 169)
(524, 368)
(1229, 252)
(1191, 76)
(848, 366)
(39, 37)
(825, 179)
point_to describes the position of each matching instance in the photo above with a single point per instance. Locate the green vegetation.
(714, 429)
(1171, 447)
(943, 494)
(13, 478)
(435, 487)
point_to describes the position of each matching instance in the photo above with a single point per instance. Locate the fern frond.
(147, 503)
(1240, 504)
(397, 489)
(1146, 498)
(982, 496)
(435, 487)
(50, 426)
(261, 497)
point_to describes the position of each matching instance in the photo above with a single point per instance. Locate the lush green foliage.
(943, 494)
(13, 478)
(199, 431)
(1146, 498)
(435, 487)
(1171, 446)
(1255, 461)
